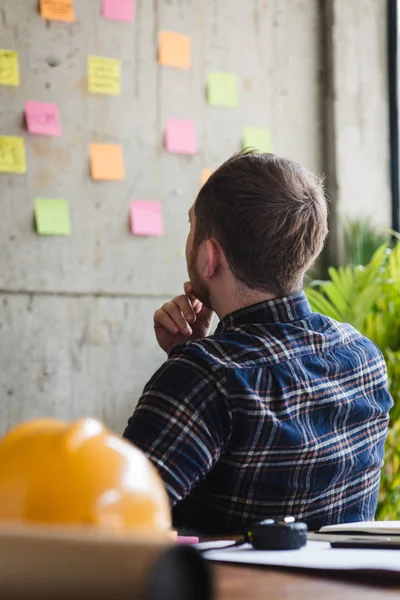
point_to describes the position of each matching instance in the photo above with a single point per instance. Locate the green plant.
(369, 298)
(389, 493)
(361, 241)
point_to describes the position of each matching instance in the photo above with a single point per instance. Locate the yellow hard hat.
(79, 473)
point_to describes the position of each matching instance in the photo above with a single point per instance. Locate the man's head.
(262, 217)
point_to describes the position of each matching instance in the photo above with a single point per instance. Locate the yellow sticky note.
(174, 49)
(258, 139)
(9, 68)
(106, 162)
(57, 10)
(52, 216)
(104, 75)
(12, 154)
(222, 89)
(205, 175)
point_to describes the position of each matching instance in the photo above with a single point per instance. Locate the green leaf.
(319, 303)
(337, 300)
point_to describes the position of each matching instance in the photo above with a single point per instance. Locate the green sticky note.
(222, 89)
(52, 216)
(258, 139)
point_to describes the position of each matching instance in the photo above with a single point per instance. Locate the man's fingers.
(188, 288)
(176, 316)
(196, 304)
(185, 306)
(161, 319)
(175, 313)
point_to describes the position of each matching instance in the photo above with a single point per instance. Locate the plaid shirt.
(281, 412)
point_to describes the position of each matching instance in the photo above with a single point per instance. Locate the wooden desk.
(243, 583)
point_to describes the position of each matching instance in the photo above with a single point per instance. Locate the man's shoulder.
(263, 346)
(356, 348)
(204, 351)
(235, 348)
(349, 334)
(189, 370)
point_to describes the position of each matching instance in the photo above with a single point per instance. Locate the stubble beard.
(199, 286)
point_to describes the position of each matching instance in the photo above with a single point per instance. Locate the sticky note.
(205, 175)
(106, 162)
(174, 49)
(122, 10)
(57, 10)
(42, 118)
(9, 68)
(187, 539)
(12, 154)
(180, 136)
(259, 139)
(52, 216)
(222, 89)
(146, 218)
(104, 75)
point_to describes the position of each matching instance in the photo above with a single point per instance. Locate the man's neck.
(230, 301)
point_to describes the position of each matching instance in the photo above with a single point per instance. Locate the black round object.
(278, 534)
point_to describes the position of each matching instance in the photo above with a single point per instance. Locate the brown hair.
(270, 216)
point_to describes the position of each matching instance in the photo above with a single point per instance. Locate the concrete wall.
(76, 312)
(355, 103)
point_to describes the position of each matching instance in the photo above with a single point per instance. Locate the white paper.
(315, 555)
(373, 527)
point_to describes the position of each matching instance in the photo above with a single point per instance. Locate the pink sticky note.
(122, 10)
(42, 118)
(146, 218)
(184, 539)
(180, 136)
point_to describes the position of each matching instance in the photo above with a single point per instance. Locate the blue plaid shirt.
(281, 412)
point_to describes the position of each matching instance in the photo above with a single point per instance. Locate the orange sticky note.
(174, 49)
(205, 174)
(106, 162)
(57, 10)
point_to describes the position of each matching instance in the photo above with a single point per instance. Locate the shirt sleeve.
(182, 421)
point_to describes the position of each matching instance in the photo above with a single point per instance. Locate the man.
(282, 411)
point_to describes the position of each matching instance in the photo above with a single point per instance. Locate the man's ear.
(214, 258)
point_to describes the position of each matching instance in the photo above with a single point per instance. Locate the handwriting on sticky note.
(258, 139)
(122, 10)
(57, 10)
(9, 68)
(42, 118)
(180, 136)
(146, 218)
(52, 216)
(174, 50)
(12, 154)
(205, 175)
(222, 89)
(106, 162)
(104, 75)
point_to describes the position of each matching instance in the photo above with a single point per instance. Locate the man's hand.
(183, 319)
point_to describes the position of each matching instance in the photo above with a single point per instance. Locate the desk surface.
(243, 583)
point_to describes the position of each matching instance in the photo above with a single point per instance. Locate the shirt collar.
(281, 310)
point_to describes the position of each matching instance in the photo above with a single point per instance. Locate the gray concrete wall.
(355, 102)
(76, 312)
